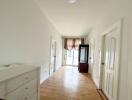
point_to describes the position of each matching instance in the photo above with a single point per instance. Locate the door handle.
(102, 63)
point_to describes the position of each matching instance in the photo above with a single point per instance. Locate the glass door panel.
(72, 57)
(75, 61)
(83, 55)
(69, 57)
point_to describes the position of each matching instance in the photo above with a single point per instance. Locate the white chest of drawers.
(20, 83)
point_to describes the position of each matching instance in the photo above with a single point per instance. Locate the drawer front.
(31, 88)
(25, 92)
(2, 90)
(18, 81)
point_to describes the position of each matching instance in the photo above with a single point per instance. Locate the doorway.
(72, 57)
(71, 51)
(110, 61)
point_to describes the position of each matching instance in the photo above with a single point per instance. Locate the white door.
(111, 63)
(91, 56)
(53, 57)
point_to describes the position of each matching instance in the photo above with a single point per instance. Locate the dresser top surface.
(7, 73)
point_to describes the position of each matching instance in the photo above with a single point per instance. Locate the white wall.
(112, 11)
(25, 34)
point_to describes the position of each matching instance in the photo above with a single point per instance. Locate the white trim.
(50, 55)
(117, 24)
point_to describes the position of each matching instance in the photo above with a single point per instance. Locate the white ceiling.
(73, 19)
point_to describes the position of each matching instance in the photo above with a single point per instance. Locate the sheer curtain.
(73, 43)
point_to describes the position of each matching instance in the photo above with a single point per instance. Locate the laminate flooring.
(68, 84)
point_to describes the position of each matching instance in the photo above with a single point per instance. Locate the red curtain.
(73, 43)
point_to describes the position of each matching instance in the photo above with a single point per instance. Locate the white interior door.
(111, 63)
(53, 57)
(91, 56)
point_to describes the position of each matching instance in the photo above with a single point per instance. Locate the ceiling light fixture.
(72, 1)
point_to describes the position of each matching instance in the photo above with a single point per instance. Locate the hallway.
(50, 34)
(68, 84)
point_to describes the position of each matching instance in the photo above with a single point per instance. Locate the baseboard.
(97, 87)
(102, 94)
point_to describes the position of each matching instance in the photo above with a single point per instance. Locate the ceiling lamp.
(72, 1)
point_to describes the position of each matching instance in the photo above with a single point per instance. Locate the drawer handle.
(26, 98)
(26, 88)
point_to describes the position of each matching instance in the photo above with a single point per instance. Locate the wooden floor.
(68, 84)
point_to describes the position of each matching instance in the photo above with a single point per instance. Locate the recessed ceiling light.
(72, 1)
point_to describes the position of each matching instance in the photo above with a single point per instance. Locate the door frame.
(118, 26)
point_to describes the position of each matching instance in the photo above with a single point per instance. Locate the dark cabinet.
(83, 58)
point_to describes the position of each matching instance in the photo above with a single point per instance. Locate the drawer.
(31, 88)
(25, 92)
(2, 90)
(18, 81)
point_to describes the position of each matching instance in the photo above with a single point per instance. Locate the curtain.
(73, 43)
(77, 43)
